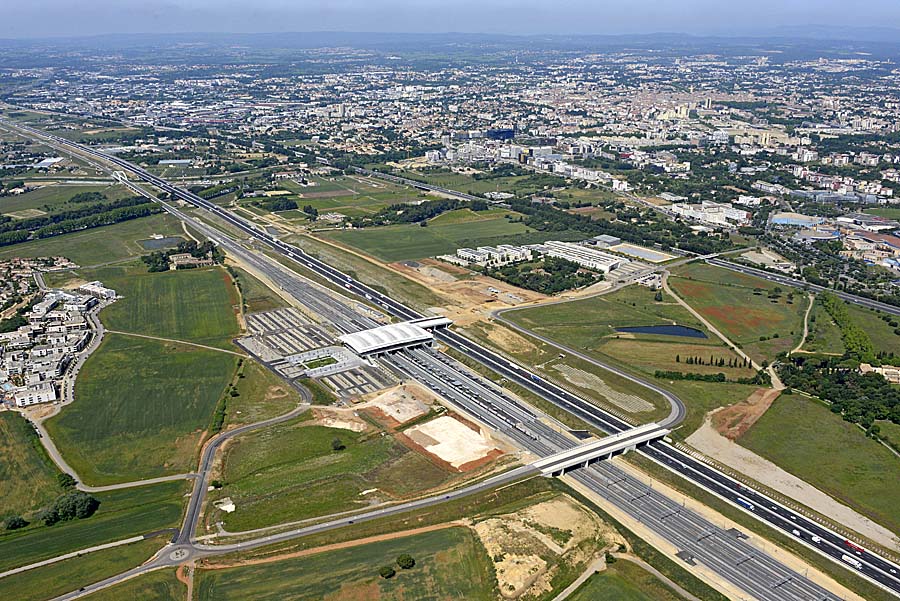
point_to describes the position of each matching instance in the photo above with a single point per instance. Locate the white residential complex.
(494, 255)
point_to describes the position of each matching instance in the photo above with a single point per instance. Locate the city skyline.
(53, 18)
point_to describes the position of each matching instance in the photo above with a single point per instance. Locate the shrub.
(15, 522)
(406, 561)
(386, 572)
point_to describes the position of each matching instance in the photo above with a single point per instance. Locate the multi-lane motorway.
(764, 577)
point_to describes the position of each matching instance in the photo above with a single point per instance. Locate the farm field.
(450, 564)
(194, 305)
(161, 585)
(863, 475)
(141, 406)
(99, 245)
(410, 241)
(66, 576)
(51, 198)
(624, 581)
(290, 472)
(122, 514)
(728, 300)
(27, 475)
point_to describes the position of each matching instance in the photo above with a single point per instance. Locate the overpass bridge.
(599, 450)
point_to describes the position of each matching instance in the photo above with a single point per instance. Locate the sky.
(43, 18)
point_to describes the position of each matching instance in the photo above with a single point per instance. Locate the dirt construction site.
(460, 445)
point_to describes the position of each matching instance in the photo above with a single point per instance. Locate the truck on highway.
(745, 503)
(852, 561)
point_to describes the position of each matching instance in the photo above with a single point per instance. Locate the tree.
(66, 480)
(338, 445)
(659, 296)
(15, 522)
(386, 572)
(406, 561)
(74, 505)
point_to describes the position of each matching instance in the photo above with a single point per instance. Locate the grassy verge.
(161, 585)
(122, 514)
(797, 432)
(624, 581)
(71, 574)
(449, 563)
(27, 475)
(841, 575)
(261, 395)
(257, 296)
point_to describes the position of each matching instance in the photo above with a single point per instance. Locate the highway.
(797, 283)
(776, 579)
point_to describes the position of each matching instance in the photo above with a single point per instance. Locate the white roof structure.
(386, 338)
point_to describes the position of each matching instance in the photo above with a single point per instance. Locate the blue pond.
(667, 330)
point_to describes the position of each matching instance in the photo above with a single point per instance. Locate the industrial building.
(586, 256)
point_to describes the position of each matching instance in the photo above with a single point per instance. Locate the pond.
(666, 330)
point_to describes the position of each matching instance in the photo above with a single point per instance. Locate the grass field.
(27, 476)
(257, 296)
(140, 408)
(450, 564)
(410, 241)
(161, 585)
(624, 581)
(882, 334)
(727, 299)
(51, 198)
(66, 576)
(290, 472)
(589, 325)
(804, 437)
(98, 245)
(889, 212)
(824, 335)
(367, 272)
(194, 305)
(262, 395)
(122, 514)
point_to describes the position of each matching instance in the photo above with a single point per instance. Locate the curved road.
(677, 409)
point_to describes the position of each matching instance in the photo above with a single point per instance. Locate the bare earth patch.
(453, 442)
(402, 403)
(733, 421)
(527, 546)
(343, 419)
(709, 441)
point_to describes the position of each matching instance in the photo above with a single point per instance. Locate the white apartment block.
(722, 214)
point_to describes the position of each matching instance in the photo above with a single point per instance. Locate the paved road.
(770, 580)
(797, 283)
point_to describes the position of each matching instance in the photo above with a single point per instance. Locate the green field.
(66, 576)
(882, 334)
(51, 198)
(806, 439)
(824, 335)
(728, 300)
(122, 514)
(369, 273)
(140, 408)
(450, 564)
(290, 472)
(161, 585)
(624, 581)
(889, 212)
(410, 241)
(261, 395)
(98, 245)
(257, 296)
(27, 475)
(193, 305)
(589, 326)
